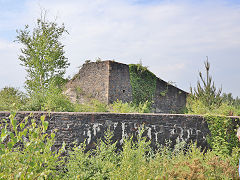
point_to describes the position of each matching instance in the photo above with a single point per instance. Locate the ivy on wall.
(143, 83)
(223, 134)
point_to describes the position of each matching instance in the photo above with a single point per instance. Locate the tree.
(206, 91)
(11, 99)
(42, 55)
(228, 98)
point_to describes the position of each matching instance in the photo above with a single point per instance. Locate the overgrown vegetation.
(11, 99)
(120, 107)
(206, 91)
(143, 83)
(36, 159)
(223, 134)
(25, 150)
(43, 58)
(206, 99)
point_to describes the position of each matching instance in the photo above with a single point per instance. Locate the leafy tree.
(206, 91)
(11, 99)
(228, 98)
(42, 55)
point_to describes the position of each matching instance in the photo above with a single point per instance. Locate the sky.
(171, 37)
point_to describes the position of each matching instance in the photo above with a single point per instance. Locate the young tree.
(42, 55)
(206, 91)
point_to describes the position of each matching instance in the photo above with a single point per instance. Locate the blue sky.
(171, 37)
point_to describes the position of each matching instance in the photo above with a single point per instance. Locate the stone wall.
(108, 81)
(119, 83)
(91, 126)
(91, 81)
(168, 98)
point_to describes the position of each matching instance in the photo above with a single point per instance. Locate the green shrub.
(196, 106)
(11, 99)
(138, 161)
(25, 150)
(56, 101)
(52, 100)
(26, 153)
(223, 134)
(144, 107)
(97, 163)
(120, 107)
(93, 106)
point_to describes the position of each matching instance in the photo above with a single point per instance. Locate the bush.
(138, 161)
(11, 99)
(52, 100)
(93, 106)
(196, 106)
(26, 151)
(120, 107)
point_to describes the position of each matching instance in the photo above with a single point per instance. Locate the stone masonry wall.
(91, 126)
(92, 80)
(108, 81)
(119, 83)
(168, 98)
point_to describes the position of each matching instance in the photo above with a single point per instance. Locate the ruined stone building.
(109, 81)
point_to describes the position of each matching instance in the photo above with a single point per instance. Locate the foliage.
(11, 99)
(117, 107)
(205, 99)
(25, 150)
(53, 100)
(121, 107)
(223, 134)
(138, 161)
(228, 98)
(93, 106)
(144, 107)
(42, 55)
(96, 163)
(206, 91)
(143, 83)
(26, 153)
(196, 106)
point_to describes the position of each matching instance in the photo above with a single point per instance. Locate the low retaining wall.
(77, 127)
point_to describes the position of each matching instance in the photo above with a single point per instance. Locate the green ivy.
(143, 83)
(223, 134)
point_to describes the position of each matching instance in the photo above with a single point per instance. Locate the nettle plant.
(26, 150)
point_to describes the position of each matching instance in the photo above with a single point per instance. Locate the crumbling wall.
(92, 81)
(168, 98)
(108, 81)
(119, 83)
